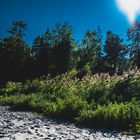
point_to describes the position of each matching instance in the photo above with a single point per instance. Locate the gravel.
(17, 125)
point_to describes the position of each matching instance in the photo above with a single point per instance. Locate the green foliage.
(14, 53)
(133, 35)
(27, 87)
(122, 116)
(127, 88)
(89, 53)
(96, 100)
(137, 127)
(96, 88)
(53, 51)
(18, 29)
(73, 72)
(56, 52)
(11, 88)
(71, 91)
(115, 52)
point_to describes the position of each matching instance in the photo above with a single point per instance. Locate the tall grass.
(98, 100)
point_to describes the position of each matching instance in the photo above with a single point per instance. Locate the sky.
(80, 14)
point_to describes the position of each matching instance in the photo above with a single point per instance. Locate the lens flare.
(131, 8)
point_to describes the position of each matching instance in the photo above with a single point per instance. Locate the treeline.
(57, 52)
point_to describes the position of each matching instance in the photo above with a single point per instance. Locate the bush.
(99, 100)
(11, 88)
(118, 116)
(96, 88)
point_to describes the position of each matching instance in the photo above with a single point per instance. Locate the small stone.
(32, 127)
(29, 132)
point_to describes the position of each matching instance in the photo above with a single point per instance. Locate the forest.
(56, 52)
(95, 82)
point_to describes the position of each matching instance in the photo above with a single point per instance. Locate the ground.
(16, 125)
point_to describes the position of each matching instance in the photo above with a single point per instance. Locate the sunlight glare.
(131, 8)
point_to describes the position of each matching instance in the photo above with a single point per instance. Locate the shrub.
(11, 88)
(119, 116)
(126, 87)
(96, 88)
(99, 100)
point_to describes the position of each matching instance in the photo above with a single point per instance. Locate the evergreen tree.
(133, 34)
(14, 52)
(62, 49)
(90, 52)
(115, 52)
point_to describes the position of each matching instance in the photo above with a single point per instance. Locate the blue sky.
(80, 14)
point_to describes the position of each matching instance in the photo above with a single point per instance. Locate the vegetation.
(56, 52)
(92, 83)
(94, 100)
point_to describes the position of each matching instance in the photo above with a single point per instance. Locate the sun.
(131, 8)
